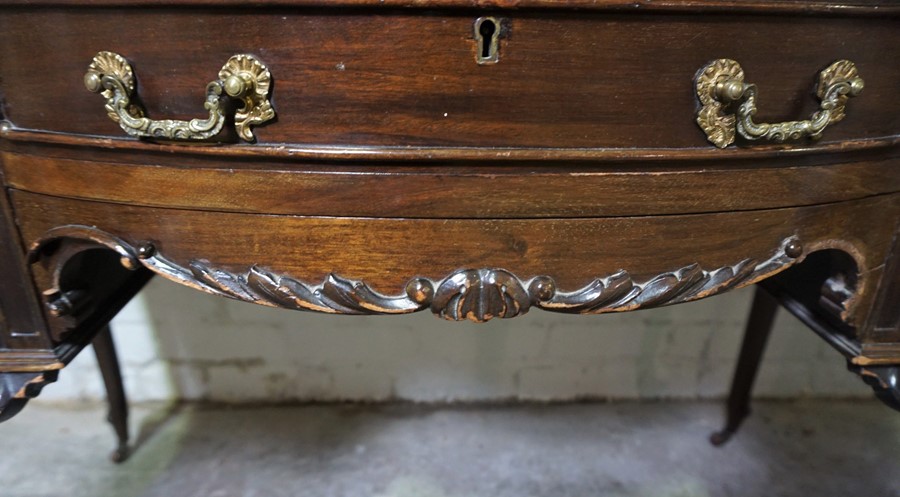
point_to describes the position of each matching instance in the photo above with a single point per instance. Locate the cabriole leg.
(756, 334)
(105, 350)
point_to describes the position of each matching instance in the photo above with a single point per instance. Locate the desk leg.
(756, 334)
(17, 388)
(884, 380)
(108, 361)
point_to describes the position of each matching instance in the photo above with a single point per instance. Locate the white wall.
(176, 342)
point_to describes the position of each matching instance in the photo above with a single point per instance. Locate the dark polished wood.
(108, 360)
(22, 326)
(845, 8)
(756, 334)
(380, 77)
(485, 190)
(886, 317)
(401, 175)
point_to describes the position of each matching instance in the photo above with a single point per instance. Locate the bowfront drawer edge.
(345, 153)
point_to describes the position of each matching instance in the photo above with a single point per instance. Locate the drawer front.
(435, 191)
(371, 77)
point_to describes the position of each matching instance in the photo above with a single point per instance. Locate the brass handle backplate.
(729, 104)
(243, 78)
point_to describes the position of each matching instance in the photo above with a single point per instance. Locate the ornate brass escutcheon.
(243, 78)
(729, 104)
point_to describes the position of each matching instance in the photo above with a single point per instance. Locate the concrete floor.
(809, 448)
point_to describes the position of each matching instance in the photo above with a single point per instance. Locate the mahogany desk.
(476, 159)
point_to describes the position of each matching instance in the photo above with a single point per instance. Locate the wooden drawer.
(382, 77)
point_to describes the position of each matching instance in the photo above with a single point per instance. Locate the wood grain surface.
(886, 319)
(843, 8)
(806, 151)
(386, 253)
(452, 192)
(21, 318)
(408, 78)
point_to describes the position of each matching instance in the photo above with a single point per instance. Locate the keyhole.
(487, 32)
(487, 29)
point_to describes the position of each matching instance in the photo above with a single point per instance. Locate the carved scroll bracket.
(468, 294)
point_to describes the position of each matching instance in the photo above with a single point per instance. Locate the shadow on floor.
(820, 448)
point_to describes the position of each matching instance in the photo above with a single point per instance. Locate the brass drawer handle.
(721, 86)
(243, 77)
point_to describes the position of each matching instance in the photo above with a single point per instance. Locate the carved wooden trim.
(884, 380)
(474, 294)
(17, 388)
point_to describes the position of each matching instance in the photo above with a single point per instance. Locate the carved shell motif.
(257, 108)
(113, 65)
(469, 294)
(479, 295)
(842, 70)
(718, 126)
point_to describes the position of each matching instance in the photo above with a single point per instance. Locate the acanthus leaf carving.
(608, 294)
(468, 294)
